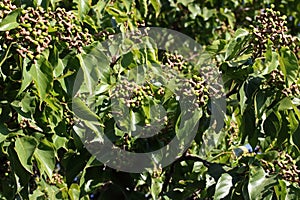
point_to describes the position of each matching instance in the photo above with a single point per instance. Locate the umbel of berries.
(271, 26)
(6, 7)
(39, 29)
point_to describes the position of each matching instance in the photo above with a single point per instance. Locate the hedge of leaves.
(254, 44)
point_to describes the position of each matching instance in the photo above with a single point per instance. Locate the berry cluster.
(6, 7)
(56, 179)
(39, 28)
(199, 84)
(32, 36)
(4, 167)
(275, 79)
(136, 95)
(177, 63)
(195, 87)
(69, 31)
(293, 90)
(271, 26)
(285, 166)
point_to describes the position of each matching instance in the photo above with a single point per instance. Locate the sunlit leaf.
(42, 76)
(44, 155)
(25, 147)
(10, 21)
(223, 186)
(83, 7)
(259, 185)
(289, 65)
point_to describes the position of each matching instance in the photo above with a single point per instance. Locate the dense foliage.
(254, 45)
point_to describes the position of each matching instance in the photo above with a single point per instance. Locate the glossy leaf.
(83, 7)
(42, 76)
(74, 192)
(87, 65)
(25, 147)
(259, 184)
(3, 132)
(223, 186)
(10, 21)
(83, 111)
(156, 5)
(236, 44)
(289, 65)
(44, 154)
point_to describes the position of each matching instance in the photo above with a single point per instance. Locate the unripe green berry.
(36, 43)
(30, 56)
(38, 56)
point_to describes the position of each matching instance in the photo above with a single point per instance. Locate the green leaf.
(74, 163)
(37, 194)
(195, 10)
(293, 192)
(42, 75)
(3, 132)
(53, 3)
(84, 7)
(289, 65)
(223, 186)
(271, 61)
(248, 127)
(185, 2)
(10, 21)
(268, 156)
(144, 7)
(236, 44)
(44, 155)
(280, 189)
(156, 5)
(207, 13)
(83, 111)
(26, 76)
(39, 2)
(216, 46)
(259, 185)
(4, 57)
(18, 167)
(74, 191)
(285, 104)
(230, 17)
(272, 124)
(156, 186)
(118, 14)
(25, 147)
(59, 142)
(87, 64)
